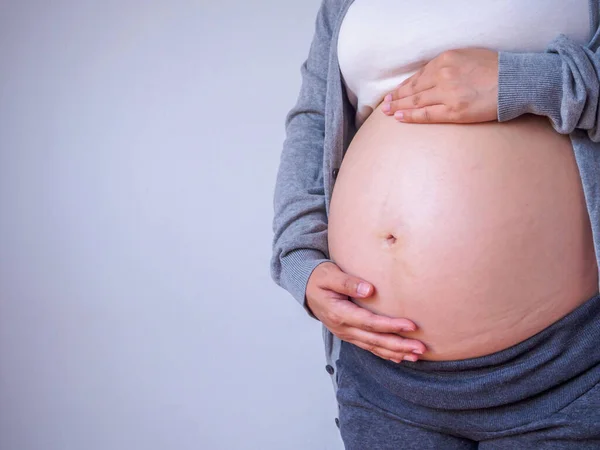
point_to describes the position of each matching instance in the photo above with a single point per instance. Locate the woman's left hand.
(458, 86)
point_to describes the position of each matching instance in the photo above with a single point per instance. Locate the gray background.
(139, 143)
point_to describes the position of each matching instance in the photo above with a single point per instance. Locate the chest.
(381, 39)
(340, 128)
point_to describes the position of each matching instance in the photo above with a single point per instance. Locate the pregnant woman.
(462, 140)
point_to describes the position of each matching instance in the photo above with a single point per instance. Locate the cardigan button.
(337, 422)
(329, 369)
(334, 172)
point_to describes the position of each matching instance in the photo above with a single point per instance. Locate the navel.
(390, 240)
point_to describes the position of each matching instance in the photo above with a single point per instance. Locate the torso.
(478, 233)
(382, 42)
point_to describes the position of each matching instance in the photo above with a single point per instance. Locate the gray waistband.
(544, 372)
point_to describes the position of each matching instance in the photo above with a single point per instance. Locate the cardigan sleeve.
(561, 83)
(300, 221)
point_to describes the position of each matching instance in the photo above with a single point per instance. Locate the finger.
(356, 316)
(427, 114)
(393, 95)
(432, 96)
(343, 283)
(390, 342)
(418, 82)
(413, 77)
(385, 353)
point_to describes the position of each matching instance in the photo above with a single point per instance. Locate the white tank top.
(382, 42)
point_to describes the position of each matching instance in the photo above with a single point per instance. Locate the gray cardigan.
(561, 83)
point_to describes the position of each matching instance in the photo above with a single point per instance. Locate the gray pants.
(542, 393)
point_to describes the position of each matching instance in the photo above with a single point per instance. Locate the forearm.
(300, 222)
(561, 83)
(300, 219)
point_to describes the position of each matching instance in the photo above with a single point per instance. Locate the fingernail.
(399, 115)
(363, 288)
(388, 98)
(417, 351)
(386, 107)
(410, 358)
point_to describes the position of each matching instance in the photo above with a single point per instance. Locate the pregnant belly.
(478, 233)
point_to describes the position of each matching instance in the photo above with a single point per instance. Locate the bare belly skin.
(478, 233)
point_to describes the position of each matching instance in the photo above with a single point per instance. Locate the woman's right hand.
(327, 295)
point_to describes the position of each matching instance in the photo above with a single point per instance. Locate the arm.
(300, 221)
(561, 83)
(470, 85)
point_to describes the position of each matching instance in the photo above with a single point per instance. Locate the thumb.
(352, 286)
